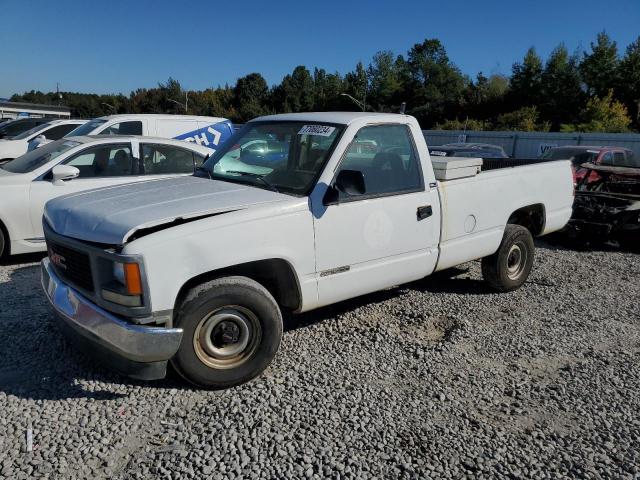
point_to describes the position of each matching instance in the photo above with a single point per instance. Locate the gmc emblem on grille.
(57, 259)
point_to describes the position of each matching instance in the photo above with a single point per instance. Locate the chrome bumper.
(135, 343)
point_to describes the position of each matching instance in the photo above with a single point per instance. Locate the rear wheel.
(232, 331)
(509, 267)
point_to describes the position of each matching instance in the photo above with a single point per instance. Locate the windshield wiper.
(257, 176)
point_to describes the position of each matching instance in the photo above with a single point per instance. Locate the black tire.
(232, 331)
(509, 267)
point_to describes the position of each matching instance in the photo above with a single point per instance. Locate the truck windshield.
(283, 156)
(38, 157)
(86, 129)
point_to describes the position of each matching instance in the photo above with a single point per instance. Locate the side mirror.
(351, 182)
(63, 172)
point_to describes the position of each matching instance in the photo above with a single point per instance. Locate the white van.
(206, 131)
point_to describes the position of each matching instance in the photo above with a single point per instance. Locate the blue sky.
(117, 45)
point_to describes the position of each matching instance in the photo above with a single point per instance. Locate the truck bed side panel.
(475, 210)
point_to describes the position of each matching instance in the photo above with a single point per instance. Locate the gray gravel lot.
(440, 378)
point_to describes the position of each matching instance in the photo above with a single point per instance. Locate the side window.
(105, 161)
(619, 159)
(123, 128)
(56, 133)
(387, 158)
(607, 159)
(166, 159)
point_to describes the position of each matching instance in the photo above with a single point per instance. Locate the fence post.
(513, 146)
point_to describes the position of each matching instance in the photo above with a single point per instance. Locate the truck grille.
(71, 264)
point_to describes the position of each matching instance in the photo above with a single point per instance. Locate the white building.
(20, 109)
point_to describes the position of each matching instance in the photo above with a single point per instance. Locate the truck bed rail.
(497, 163)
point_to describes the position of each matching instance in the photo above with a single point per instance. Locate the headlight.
(118, 273)
(127, 288)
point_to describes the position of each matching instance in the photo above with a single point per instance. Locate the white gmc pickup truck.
(295, 212)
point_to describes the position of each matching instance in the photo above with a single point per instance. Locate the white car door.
(387, 235)
(100, 166)
(165, 160)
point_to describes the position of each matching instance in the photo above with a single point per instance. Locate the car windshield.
(562, 153)
(30, 132)
(281, 156)
(39, 157)
(86, 129)
(584, 157)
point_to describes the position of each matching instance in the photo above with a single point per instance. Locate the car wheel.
(232, 327)
(509, 267)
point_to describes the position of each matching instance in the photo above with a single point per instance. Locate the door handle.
(424, 212)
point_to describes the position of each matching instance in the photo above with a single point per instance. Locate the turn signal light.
(133, 283)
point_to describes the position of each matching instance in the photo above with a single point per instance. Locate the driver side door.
(386, 236)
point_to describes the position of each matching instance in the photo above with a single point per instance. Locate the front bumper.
(136, 350)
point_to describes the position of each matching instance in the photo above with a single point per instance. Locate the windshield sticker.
(320, 130)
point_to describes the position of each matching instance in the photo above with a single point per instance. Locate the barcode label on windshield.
(321, 130)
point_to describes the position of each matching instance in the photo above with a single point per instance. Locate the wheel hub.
(226, 337)
(516, 261)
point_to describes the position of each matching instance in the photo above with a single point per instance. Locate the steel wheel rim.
(516, 260)
(227, 337)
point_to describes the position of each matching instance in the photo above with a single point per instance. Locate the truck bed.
(476, 209)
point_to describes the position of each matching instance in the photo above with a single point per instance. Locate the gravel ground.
(439, 378)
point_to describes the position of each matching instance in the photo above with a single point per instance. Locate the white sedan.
(13, 147)
(77, 164)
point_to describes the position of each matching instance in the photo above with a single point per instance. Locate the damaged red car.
(607, 208)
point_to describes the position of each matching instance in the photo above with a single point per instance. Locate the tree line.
(597, 90)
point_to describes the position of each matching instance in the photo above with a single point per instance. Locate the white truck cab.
(295, 212)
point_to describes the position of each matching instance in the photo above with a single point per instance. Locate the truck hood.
(112, 215)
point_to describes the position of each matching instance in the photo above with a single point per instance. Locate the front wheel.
(232, 330)
(509, 267)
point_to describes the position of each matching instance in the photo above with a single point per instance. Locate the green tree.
(385, 83)
(524, 119)
(297, 91)
(599, 68)
(562, 94)
(356, 84)
(250, 97)
(629, 80)
(602, 114)
(436, 86)
(525, 87)
(467, 124)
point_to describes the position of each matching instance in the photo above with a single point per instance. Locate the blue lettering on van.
(211, 136)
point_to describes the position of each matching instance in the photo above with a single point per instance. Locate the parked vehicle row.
(294, 212)
(77, 164)
(11, 128)
(93, 154)
(18, 145)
